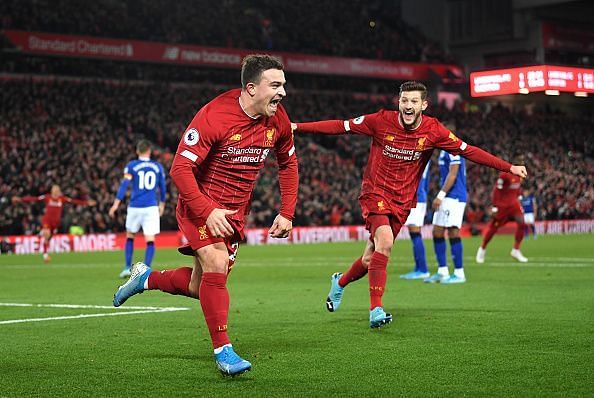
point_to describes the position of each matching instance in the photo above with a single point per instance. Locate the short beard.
(412, 125)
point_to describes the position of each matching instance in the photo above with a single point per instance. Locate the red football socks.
(45, 245)
(489, 235)
(519, 236)
(356, 272)
(377, 278)
(214, 298)
(175, 281)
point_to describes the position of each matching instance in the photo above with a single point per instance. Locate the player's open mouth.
(408, 116)
(274, 103)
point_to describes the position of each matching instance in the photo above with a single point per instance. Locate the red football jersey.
(506, 190)
(398, 156)
(222, 151)
(53, 206)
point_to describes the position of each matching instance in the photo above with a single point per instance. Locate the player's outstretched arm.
(331, 127)
(518, 170)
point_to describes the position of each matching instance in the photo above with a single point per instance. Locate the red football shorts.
(395, 221)
(507, 213)
(198, 235)
(51, 224)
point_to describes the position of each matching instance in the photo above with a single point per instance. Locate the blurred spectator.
(80, 133)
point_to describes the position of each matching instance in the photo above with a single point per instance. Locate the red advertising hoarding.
(530, 79)
(32, 244)
(144, 51)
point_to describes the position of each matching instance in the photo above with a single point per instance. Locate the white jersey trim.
(347, 127)
(189, 155)
(292, 150)
(463, 146)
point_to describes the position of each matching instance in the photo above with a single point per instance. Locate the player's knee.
(453, 232)
(365, 260)
(384, 246)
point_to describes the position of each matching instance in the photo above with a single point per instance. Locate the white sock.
(459, 272)
(145, 285)
(443, 271)
(219, 349)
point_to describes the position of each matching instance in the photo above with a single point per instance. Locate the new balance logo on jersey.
(235, 137)
(389, 137)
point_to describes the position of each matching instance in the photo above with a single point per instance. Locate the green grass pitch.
(513, 330)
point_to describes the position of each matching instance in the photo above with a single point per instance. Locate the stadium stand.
(46, 137)
(373, 29)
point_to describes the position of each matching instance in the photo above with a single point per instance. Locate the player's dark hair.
(143, 146)
(414, 86)
(253, 65)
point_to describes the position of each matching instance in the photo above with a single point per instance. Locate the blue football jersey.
(528, 203)
(424, 185)
(458, 190)
(146, 176)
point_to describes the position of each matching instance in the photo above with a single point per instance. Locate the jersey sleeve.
(288, 171)
(454, 159)
(195, 144)
(78, 202)
(125, 182)
(162, 184)
(446, 140)
(32, 199)
(365, 124)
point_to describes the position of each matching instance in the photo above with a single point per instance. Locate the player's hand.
(112, 210)
(494, 210)
(161, 208)
(218, 224)
(92, 202)
(436, 203)
(16, 199)
(281, 227)
(519, 171)
(293, 127)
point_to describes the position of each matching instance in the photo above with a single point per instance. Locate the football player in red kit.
(215, 170)
(52, 215)
(506, 207)
(402, 144)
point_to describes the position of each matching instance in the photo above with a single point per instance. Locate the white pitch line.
(141, 310)
(90, 306)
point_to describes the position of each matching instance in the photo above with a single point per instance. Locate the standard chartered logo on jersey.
(246, 155)
(401, 153)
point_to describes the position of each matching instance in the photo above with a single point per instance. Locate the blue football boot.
(231, 364)
(134, 285)
(415, 275)
(378, 317)
(335, 295)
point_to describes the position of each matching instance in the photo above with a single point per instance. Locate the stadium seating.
(80, 133)
(366, 29)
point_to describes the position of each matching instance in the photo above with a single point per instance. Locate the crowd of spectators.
(359, 28)
(80, 134)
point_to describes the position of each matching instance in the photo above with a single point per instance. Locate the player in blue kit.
(449, 208)
(145, 207)
(415, 222)
(528, 202)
